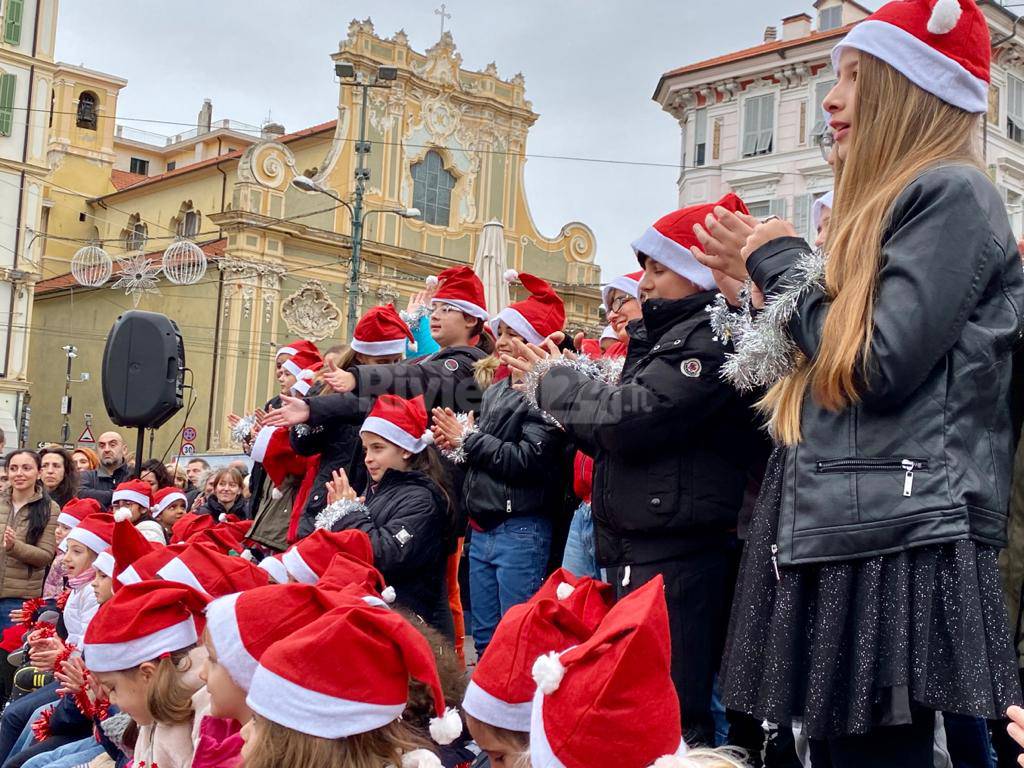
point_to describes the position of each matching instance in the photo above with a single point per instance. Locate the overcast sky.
(590, 67)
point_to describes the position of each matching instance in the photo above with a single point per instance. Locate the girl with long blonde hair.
(869, 596)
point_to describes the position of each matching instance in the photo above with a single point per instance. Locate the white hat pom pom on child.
(431, 281)
(548, 673)
(388, 595)
(945, 15)
(510, 276)
(421, 758)
(447, 728)
(564, 590)
(122, 514)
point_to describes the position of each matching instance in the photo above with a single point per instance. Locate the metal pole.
(362, 149)
(65, 405)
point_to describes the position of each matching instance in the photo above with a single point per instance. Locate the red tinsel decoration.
(30, 607)
(41, 727)
(63, 656)
(44, 631)
(62, 599)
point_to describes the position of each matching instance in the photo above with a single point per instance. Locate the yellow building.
(443, 139)
(27, 33)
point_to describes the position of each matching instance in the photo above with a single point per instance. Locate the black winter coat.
(214, 508)
(672, 442)
(518, 464)
(406, 517)
(925, 456)
(100, 486)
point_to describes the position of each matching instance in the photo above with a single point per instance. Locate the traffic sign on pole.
(86, 436)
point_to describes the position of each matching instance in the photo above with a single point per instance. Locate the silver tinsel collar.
(336, 510)
(458, 454)
(592, 369)
(765, 352)
(413, 318)
(242, 431)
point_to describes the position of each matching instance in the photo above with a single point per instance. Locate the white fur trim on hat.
(275, 568)
(387, 347)
(548, 672)
(88, 539)
(166, 501)
(297, 567)
(818, 209)
(179, 573)
(494, 711)
(69, 520)
(468, 307)
(541, 753)
(129, 576)
(292, 368)
(609, 333)
(222, 624)
(446, 728)
(622, 283)
(104, 563)
(301, 387)
(421, 758)
(395, 434)
(675, 257)
(286, 351)
(945, 15)
(311, 712)
(261, 443)
(514, 319)
(133, 496)
(923, 65)
(115, 657)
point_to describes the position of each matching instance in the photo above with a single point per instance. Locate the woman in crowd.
(85, 459)
(226, 497)
(28, 518)
(58, 474)
(155, 473)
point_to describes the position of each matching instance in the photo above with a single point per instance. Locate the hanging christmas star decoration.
(138, 276)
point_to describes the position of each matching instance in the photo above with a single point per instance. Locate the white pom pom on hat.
(548, 672)
(447, 728)
(563, 590)
(388, 595)
(421, 758)
(122, 514)
(431, 281)
(510, 276)
(276, 494)
(945, 15)
(222, 518)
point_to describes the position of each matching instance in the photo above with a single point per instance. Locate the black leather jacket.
(100, 486)
(517, 463)
(925, 456)
(672, 444)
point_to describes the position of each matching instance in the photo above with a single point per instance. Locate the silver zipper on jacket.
(908, 482)
(775, 561)
(508, 507)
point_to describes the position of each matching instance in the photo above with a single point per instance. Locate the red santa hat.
(369, 691)
(104, 563)
(501, 691)
(127, 547)
(628, 284)
(460, 287)
(381, 332)
(145, 568)
(272, 565)
(140, 623)
(241, 630)
(599, 687)
(400, 421)
(76, 510)
(538, 315)
(346, 570)
(274, 451)
(588, 598)
(295, 347)
(300, 365)
(310, 557)
(213, 573)
(164, 498)
(95, 532)
(819, 207)
(190, 524)
(941, 46)
(671, 237)
(136, 491)
(220, 538)
(237, 528)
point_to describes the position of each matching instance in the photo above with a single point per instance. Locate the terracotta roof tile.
(122, 179)
(214, 250)
(147, 180)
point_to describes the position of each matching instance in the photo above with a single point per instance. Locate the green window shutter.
(12, 21)
(6, 104)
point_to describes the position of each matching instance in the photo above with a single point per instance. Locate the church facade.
(442, 138)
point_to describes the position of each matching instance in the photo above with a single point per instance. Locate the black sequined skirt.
(850, 646)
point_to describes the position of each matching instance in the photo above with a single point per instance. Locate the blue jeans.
(968, 741)
(506, 567)
(579, 557)
(18, 714)
(68, 756)
(7, 605)
(28, 737)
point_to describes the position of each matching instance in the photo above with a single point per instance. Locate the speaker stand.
(140, 446)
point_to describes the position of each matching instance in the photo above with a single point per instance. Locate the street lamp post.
(385, 75)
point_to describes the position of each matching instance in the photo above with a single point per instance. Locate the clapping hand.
(527, 356)
(71, 675)
(722, 238)
(9, 538)
(338, 489)
(447, 428)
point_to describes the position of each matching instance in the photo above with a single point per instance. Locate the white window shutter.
(801, 216)
(778, 207)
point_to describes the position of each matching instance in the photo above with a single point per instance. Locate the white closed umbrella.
(490, 266)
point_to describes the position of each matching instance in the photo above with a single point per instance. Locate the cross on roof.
(441, 12)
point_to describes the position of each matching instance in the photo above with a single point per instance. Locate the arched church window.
(432, 189)
(86, 117)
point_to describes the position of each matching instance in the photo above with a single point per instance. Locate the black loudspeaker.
(143, 370)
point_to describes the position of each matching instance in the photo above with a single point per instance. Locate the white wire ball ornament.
(184, 262)
(91, 266)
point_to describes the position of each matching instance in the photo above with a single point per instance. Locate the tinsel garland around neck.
(765, 353)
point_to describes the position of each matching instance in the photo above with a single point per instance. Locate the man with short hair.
(99, 483)
(194, 470)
